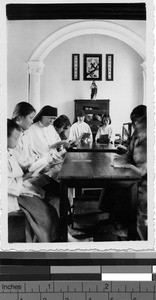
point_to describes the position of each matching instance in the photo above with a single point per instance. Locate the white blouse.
(23, 152)
(15, 182)
(42, 137)
(16, 186)
(77, 129)
(104, 130)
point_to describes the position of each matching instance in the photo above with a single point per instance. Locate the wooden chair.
(126, 131)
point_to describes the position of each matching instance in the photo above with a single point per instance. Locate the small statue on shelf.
(93, 90)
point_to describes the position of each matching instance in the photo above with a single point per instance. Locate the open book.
(83, 136)
(41, 163)
(120, 162)
(103, 139)
(38, 166)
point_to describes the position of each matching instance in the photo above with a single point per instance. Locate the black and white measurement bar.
(76, 290)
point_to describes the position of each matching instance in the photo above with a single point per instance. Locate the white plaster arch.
(36, 65)
(89, 27)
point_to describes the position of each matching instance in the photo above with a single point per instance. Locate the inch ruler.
(77, 290)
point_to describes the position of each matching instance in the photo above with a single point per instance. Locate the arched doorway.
(36, 61)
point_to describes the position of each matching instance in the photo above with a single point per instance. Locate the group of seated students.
(36, 147)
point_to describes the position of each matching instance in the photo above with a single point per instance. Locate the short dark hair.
(138, 112)
(80, 113)
(58, 123)
(61, 121)
(108, 117)
(11, 125)
(22, 109)
(65, 119)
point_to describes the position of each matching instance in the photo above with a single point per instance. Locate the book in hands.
(85, 135)
(120, 162)
(103, 139)
(74, 143)
(56, 163)
(121, 166)
(121, 149)
(38, 166)
(71, 143)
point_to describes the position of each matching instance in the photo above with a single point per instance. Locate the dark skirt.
(42, 219)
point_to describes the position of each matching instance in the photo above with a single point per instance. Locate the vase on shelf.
(94, 89)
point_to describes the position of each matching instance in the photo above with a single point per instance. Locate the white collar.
(40, 124)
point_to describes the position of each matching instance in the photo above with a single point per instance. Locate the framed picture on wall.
(109, 67)
(75, 66)
(92, 67)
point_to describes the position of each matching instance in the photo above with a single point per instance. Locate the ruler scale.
(73, 290)
(23, 280)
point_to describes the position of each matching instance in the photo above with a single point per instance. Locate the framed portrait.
(75, 66)
(109, 67)
(92, 67)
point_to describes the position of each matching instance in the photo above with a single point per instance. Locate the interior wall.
(23, 37)
(124, 92)
(57, 88)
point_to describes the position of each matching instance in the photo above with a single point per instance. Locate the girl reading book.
(23, 115)
(79, 128)
(105, 129)
(22, 195)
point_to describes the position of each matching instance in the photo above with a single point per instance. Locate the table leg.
(63, 211)
(132, 217)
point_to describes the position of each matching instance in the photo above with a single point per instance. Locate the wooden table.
(88, 170)
(93, 147)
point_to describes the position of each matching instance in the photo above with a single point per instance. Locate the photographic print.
(92, 67)
(67, 186)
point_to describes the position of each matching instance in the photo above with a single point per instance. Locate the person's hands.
(27, 176)
(56, 156)
(121, 147)
(66, 144)
(45, 169)
(127, 166)
(59, 144)
(71, 143)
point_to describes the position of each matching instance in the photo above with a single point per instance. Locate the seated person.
(23, 115)
(137, 155)
(136, 115)
(136, 159)
(105, 129)
(79, 128)
(42, 134)
(88, 118)
(61, 125)
(45, 141)
(22, 195)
